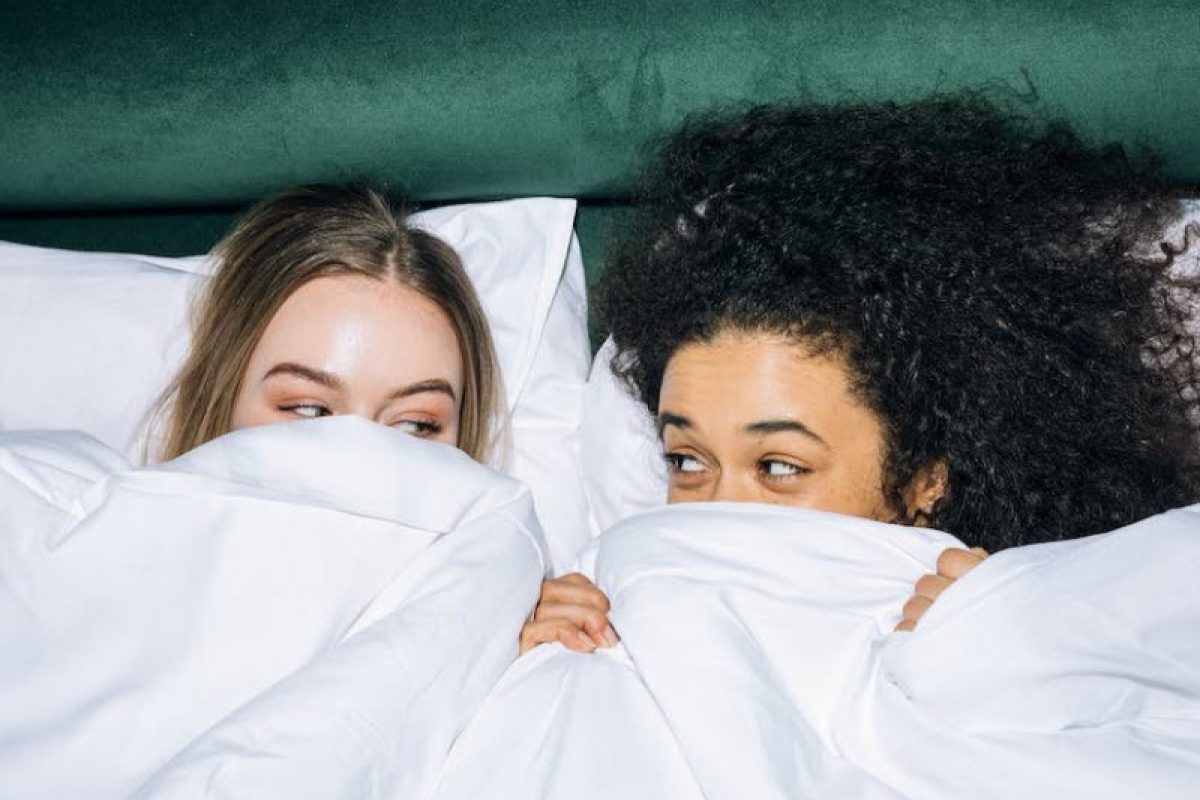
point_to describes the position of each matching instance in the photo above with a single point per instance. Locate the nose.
(356, 406)
(729, 489)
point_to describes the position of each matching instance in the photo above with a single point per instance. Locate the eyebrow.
(768, 426)
(331, 381)
(308, 373)
(421, 387)
(666, 418)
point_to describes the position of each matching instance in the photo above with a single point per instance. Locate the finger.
(930, 586)
(577, 578)
(561, 591)
(555, 630)
(906, 625)
(915, 608)
(610, 637)
(533, 634)
(955, 562)
(979, 551)
(586, 618)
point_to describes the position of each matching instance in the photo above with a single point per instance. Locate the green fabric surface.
(159, 103)
(164, 233)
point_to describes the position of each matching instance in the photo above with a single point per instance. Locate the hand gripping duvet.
(758, 661)
(313, 609)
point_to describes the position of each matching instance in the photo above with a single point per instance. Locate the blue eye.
(307, 411)
(419, 428)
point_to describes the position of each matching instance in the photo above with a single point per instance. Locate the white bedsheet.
(305, 610)
(330, 610)
(757, 661)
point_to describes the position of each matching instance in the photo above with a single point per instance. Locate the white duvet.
(330, 610)
(757, 662)
(302, 610)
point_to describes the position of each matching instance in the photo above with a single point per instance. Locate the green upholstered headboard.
(144, 124)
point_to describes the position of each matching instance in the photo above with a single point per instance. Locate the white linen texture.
(330, 610)
(378, 581)
(758, 661)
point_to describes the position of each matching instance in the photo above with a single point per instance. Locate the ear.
(927, 487)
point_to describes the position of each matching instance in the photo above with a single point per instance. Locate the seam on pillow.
(554, 264)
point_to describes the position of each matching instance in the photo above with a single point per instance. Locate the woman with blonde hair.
(326, 301)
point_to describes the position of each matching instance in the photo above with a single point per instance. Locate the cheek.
(449, 434)
(677, 495)
(857, 493)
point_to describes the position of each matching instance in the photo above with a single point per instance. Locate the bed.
(144, 127)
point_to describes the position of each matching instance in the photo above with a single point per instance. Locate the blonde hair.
(292, 238)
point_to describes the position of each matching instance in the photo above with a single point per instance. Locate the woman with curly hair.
(938, 313)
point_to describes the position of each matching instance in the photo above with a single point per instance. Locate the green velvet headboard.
(143, 124)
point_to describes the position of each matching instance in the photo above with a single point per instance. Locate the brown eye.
(775, 469)
(680, 463)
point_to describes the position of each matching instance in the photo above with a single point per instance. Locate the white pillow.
(625, 472)
(546, 422)
(89, 340)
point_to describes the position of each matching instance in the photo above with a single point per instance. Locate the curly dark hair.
(984, 274)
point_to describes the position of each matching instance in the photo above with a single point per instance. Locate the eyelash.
(295, 409)
(422, 427)
(797, 471)
(675, 466)
(675, 463)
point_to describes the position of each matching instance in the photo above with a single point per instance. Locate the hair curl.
(983, 273)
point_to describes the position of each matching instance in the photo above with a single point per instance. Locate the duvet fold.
(758, 660)
(330, 610)
(320, 604)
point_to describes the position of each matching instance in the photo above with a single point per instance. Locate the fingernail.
(610, 636)
(587, 640)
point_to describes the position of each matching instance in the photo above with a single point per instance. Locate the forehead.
(374, 300)
(740, 378)
(349, 323)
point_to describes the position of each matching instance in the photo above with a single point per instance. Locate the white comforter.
(758, 662)
(306, 610)
(327, 610)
